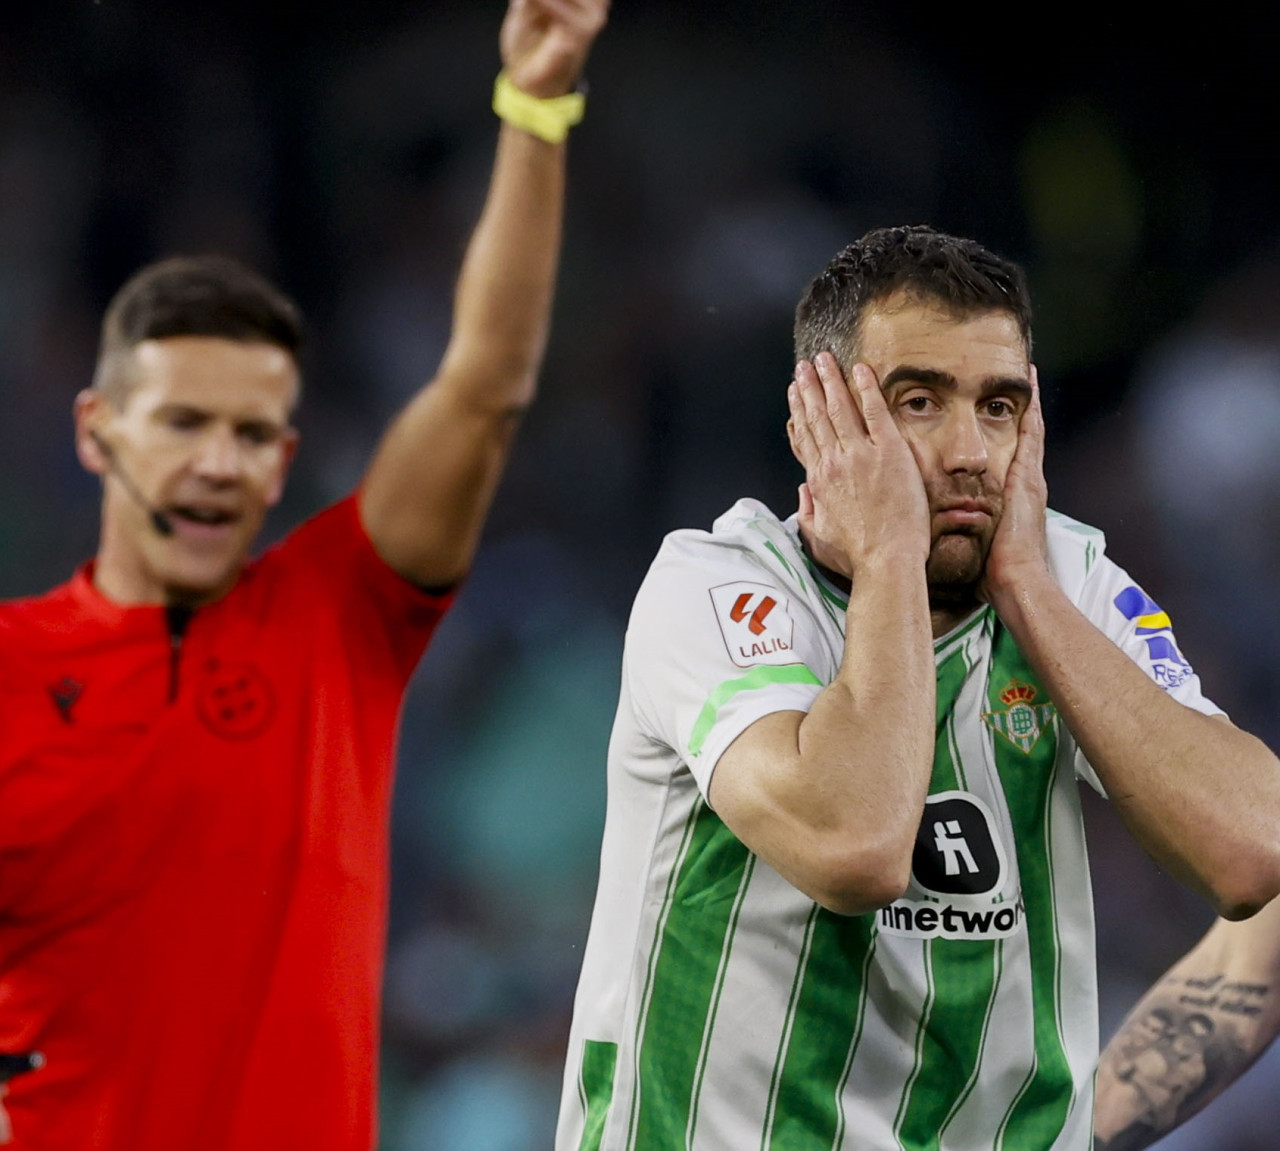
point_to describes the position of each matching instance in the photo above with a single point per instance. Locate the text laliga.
(768, 647)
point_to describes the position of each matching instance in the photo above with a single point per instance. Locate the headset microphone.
(161, 522)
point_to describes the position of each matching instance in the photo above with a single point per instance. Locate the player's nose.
(964, 447)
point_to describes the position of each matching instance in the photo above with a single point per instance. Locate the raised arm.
(1202, 796)
(429, 487)
(832, 798)
(1192, 1035)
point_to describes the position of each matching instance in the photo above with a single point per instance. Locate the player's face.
(204, 436)
(957, 389)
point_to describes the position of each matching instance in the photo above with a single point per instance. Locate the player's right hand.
(863, 499)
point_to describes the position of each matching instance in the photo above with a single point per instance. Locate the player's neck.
(949, 611)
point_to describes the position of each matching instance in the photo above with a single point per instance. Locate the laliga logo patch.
(754, 622)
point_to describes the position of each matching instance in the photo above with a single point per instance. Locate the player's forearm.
(1191, 1036)
(865, 750)
(502, 306)
(1201, 796)
(831, 798)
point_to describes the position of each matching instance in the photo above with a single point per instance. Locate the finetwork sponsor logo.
(754, 622)
(911, 919)
(957, 849)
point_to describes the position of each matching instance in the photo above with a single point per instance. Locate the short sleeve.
(715, 643)
(1135, 623)
(329, 563)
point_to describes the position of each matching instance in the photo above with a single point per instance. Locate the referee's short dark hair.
(925, 265)
(194, 296)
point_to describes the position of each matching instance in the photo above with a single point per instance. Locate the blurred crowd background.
(729, 149)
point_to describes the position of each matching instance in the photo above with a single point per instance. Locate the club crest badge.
(1022, 721)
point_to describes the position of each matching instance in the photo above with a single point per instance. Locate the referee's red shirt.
(193, 853)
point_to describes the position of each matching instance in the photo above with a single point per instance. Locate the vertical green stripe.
(1038, 1113)
(922, 1028)
(686, 838)
(853, 1047)
(997, 972)
(595, 1088)
(963, 978)
(947, 773)
(824, 1033)
(961, 972)
(784, 1040)
(725, 949)
(686, 975)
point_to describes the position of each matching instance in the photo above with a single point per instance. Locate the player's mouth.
(964, 515)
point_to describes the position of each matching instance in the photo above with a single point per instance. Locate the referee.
(196, 748)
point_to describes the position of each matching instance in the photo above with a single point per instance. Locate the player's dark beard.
(957, 559)
(954, 569)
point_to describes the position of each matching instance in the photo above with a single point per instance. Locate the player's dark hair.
(928, 266)
(196, 296)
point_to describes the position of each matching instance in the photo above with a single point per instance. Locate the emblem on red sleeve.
(755, 623)
(235, 700)
(65, 695)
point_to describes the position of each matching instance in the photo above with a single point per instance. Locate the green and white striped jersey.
(719, 1008)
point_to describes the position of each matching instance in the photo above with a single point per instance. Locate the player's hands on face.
(863, 498)
(544, 43)
(1019, 547)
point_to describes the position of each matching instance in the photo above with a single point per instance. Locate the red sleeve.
(330, 564)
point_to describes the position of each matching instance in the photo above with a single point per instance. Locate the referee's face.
(957, 388)
(203, 437)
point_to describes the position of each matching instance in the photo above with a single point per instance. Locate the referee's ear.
(288, 453)
(89, 413)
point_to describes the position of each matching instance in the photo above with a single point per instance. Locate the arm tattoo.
(1186, 1042)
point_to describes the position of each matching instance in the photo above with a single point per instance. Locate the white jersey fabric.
(719, 1008)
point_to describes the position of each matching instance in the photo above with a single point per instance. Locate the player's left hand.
(1019, 548)
(544, 43)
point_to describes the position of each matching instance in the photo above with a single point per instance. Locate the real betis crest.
(1023, 720)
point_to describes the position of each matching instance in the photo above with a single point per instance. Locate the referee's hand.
(544, 43)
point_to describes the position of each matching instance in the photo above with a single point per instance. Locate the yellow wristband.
(549, 119)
